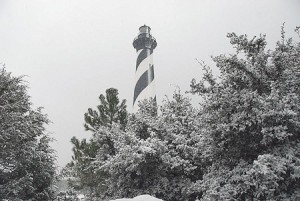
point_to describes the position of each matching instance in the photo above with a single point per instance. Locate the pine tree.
(82, 168)
(110, 110)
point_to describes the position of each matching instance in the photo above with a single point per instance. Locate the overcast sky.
(73, 50)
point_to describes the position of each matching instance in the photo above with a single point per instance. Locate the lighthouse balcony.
(144, 41)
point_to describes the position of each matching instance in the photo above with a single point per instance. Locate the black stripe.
(143, 55)
(145, 79)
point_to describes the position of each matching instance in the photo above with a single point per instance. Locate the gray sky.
(73, 50)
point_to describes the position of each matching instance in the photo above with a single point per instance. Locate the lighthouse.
(144, 88)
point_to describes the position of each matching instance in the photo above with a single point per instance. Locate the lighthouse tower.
(144, 88)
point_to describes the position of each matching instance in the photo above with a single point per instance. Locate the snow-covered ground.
(139, 198)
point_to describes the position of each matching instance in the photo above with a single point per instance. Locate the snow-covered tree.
(27, 163)
(251, 121)
(157, 154)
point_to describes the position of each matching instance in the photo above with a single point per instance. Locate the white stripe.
(139, 51)
(148, 92)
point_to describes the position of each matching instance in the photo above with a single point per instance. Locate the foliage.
(157, 154)
(251, 119)
(110, 110)
(242, 143)
(69, 195)
(81, 170)
(27, 170)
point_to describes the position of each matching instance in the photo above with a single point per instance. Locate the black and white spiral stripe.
(144, 76)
